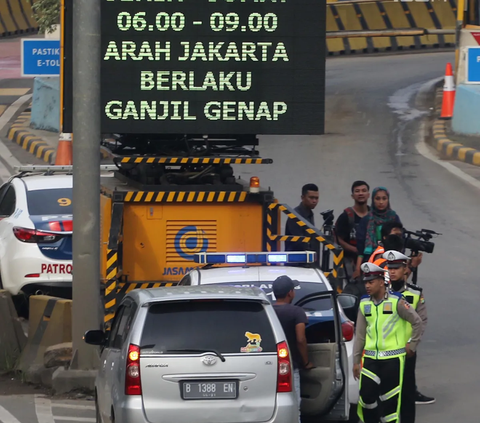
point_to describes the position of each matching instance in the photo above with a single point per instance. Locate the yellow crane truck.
(164, 204)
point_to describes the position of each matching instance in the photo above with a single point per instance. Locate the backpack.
(351, 223)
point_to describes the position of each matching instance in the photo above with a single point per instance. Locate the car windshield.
(208, 325)
(56, 201)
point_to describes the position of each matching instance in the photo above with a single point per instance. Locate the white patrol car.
(329, 331)
(36, 234)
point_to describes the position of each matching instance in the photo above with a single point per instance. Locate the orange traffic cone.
(64, 150)
(448, 94)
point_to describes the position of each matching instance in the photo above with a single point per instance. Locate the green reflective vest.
(386, 330)
(413, 297)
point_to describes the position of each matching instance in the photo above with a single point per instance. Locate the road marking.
(2, 108)
(74, 406)
(43, 408)
(5, 118)
(424, 151)
(6, 417)
(14, 91)
(5, 153)
(75, 419)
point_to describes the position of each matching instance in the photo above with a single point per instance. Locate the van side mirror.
(349, 304)
(95, 337)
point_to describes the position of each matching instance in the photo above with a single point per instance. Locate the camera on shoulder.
(421, 242)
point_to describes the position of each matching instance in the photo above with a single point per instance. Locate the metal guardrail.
(408, 32)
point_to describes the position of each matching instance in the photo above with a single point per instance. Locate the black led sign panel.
(213, 66)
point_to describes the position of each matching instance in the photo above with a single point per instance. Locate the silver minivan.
(208, 354)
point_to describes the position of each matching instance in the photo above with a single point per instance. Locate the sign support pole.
(86, 307)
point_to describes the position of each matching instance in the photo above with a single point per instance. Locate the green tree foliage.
(47, 14)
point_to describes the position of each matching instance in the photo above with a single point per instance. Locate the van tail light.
(133, 385)
(284, 377)
(34, 236)
(348, 330)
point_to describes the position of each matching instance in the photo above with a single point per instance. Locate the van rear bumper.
(131, 410)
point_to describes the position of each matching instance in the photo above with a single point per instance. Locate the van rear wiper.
(187, 350)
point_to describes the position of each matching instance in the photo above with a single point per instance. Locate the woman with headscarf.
(370, 227)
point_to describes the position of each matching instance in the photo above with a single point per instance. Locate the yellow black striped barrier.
(35, 145)
(385, 17)
(310, 233)
(16, 17)
(192, 160)
(185, 197)
(447, 147)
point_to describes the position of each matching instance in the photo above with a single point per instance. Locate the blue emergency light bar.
(255, 258)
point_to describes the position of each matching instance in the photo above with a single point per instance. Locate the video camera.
(421, 242)
(328, 217)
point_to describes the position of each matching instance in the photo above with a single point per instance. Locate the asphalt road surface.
(372, 134)
(42, 409)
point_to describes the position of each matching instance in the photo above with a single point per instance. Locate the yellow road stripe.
(14, 91)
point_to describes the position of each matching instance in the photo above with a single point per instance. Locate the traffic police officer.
(397, 267)
(380, 336)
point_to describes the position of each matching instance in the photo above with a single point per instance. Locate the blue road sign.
(473, 65)
(40, 57)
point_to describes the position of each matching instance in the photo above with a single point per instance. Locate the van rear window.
(56, 201)
(224, 326)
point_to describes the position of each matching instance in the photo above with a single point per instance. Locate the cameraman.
(395, 228)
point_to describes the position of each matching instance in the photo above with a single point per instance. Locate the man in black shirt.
(293, 320)
(305, 210)
(347, 222)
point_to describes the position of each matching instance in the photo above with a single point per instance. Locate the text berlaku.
(179, 80)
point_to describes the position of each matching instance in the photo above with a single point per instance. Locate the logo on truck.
(189, 241)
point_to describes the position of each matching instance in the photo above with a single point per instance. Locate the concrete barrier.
(46, 104)
(12, 338)
(466, 111)
(50, 323)
(467, 97)
(16, 17)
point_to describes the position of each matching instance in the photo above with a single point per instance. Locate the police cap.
(372, 271)
(395, 259)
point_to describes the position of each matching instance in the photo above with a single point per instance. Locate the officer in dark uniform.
(397, 268)
(381, 331)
